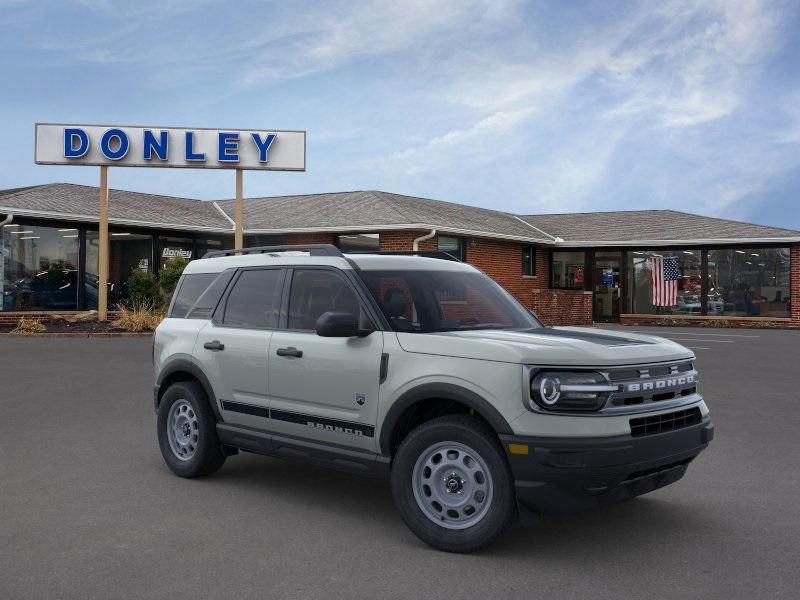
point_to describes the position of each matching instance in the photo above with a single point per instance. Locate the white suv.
(422, 370)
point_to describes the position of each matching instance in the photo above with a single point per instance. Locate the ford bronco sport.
(422, 370)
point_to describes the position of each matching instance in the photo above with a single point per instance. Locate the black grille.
(666, 422)
(632, 374)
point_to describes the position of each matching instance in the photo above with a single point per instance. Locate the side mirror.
(339, 324)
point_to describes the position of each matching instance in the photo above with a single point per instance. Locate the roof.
(80, 202)
(374, 210)
(644, 226)
(365, 211)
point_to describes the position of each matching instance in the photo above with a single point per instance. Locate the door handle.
(290, 351)
(215, 345)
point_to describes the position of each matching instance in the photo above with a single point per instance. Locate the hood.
(573, 346)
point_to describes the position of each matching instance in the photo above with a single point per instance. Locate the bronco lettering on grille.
(660, 384)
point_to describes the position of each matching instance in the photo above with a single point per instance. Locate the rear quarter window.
(189, 289)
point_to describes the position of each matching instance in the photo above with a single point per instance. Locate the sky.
(529, 107)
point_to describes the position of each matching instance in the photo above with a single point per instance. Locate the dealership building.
(650, 266)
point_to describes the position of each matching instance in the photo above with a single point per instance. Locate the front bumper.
(567, 475)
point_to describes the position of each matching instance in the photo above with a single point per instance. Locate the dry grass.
(26, 325)
(138, 317)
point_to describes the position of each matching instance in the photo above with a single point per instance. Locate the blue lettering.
(70, 137)
(190, 153)
(159, 146)
(263, 145)
(228, 142)
(122, 144)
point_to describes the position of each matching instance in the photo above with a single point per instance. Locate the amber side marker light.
(518, 449)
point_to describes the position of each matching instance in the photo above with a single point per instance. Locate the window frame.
(461, 256)
(218, 318)
(704, 272)
(588, 262)
(533, 260)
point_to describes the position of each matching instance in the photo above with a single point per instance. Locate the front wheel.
(452, 484)
(187, 431)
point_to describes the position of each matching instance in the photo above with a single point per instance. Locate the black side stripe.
(323, 423)
(248, 409)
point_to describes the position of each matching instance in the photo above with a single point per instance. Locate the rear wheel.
(187, 433)
(452, 484)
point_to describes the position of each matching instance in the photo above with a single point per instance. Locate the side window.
(529, 260)
(204, 307)
(254, 300)
(317, 291)
(189, 290)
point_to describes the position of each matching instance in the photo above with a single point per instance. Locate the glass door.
(607, 286)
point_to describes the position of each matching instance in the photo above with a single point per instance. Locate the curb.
(121, 334)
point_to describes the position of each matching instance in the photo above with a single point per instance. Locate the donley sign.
(178, 147)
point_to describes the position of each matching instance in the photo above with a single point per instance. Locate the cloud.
(461, 146)
(326, 39)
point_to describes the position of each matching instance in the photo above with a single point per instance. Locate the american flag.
(664, 279)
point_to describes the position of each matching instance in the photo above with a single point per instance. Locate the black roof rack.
(313, 250)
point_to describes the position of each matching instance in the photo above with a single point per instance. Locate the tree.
(169, 275)
(143, 289)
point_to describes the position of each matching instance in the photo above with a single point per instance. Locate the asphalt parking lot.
(88, 509)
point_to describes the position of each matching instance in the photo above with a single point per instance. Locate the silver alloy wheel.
(183, 430)
(452, 485)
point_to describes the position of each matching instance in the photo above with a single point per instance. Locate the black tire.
(208, 455)
(475, 434)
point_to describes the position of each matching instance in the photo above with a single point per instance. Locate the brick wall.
(563, 307)
(311, 238)
(398, 241)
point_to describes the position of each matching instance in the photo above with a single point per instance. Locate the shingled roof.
(374, 210)
(364, 211)
(638, 226)
(79, 202)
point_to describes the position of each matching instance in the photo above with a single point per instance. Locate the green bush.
(169, 275)
(143, 288)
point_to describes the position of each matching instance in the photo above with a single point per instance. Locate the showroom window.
(39, 268)
(529, 260)
(359, 242)
(748, 282)
(568, 270)
(665, 282)
(128, 251)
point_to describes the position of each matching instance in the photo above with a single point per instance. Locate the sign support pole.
(239, 212)
(102, 256)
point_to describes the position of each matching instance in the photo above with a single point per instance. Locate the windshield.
(436, 301)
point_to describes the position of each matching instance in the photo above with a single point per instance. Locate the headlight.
(570, 390)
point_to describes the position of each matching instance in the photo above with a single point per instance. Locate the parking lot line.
(697, 348)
